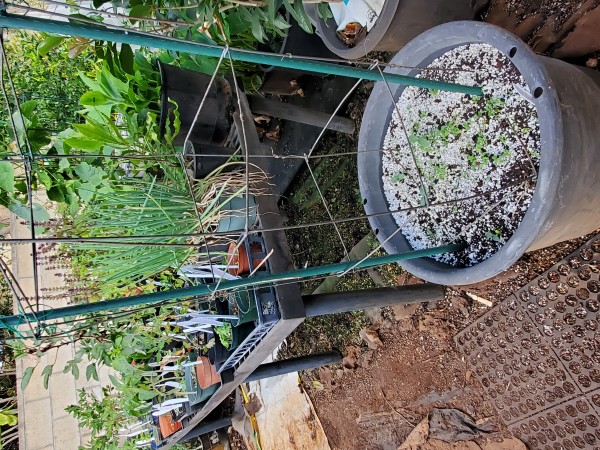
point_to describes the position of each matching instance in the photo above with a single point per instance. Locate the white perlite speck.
(482, 149)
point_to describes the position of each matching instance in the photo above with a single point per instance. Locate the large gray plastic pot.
(399, 22)
(566, 200)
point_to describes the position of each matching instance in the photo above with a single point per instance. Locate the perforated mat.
(537, 354)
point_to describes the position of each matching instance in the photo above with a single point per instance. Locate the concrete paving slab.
(63, 394)
(39, 431)
(66, 433)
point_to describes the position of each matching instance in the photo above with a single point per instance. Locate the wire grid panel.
(538, 354)
(243, 350)
(266, 306)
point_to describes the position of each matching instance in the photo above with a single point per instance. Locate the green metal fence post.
(103, 33)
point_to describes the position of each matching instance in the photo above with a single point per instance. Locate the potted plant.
(508, 172)
(227, 339)
(153, 207)
(201, 381)
(243, 258)
(396, 23)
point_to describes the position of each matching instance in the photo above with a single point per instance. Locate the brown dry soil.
(560, 28)
(376, 404)
(380, 395)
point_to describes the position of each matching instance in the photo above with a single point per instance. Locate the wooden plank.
(287, 111)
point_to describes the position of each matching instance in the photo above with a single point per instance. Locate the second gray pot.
(399, 22)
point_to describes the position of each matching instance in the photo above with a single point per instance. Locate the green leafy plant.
(154, 208)
(44, 74)
(104, 416)
(225, 334)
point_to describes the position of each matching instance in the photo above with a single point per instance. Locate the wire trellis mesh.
(156, 218)
(184, 243)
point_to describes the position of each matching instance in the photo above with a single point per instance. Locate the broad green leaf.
(280, 23)
(90, 372)
(91, 84)
(324, 11)
(139, 11)
(39, 212)
(271, 10)
(90, 174)
(112, 86)
(83, 143)
(56, 194)
(21, 187)
(28, 108)
(98, 3)
(26, 377)
(93, 98)
(86, 191)
(3, 420)
(122, 365)
(12, 420)
(257, 29)
(126, 59)
(237, 22)
(45, 178)
(143, 63)
(75, 370)
(199, 64)
(64, 164)
(298, 13)
(92, 131)
(7, 176)
(46, 373)
(49, 43)
(85, 171)
(146, 395)
(115, 381)
(38, 138)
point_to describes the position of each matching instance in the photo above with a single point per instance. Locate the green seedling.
(422, 196)
(419, 141)
(399, 177)
(495, 235)
(440, 171)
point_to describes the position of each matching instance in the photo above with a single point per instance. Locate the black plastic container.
(187, 88)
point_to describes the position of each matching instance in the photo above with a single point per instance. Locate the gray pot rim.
(418, 53)
(327, 32)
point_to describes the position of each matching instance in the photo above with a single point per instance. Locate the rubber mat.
(537, 354)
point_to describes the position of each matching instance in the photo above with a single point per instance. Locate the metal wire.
(116, 240)
(362, 61)
(187, 140)
(28, 162)
(410, 145)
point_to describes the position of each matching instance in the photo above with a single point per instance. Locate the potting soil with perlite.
(484, 150)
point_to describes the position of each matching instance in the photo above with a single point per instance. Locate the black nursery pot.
(565, 203)
(399, 22)
(187, 88)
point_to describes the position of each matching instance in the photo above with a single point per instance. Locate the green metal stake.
(206, 289)
(134, 38)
